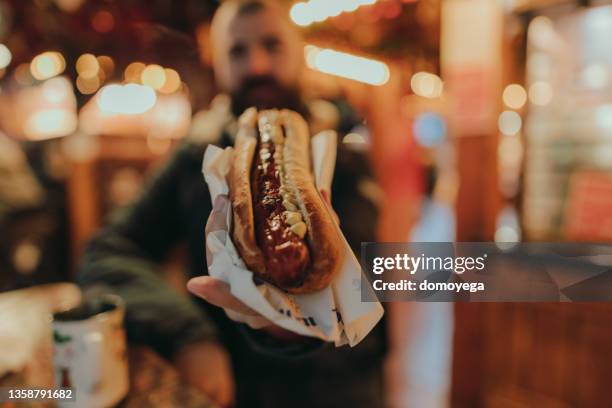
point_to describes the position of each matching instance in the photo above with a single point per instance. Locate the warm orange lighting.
(23, 75)
(47, 65)
(354, 138)
(595, 76)
(541, 32)
(57, 90)
(427, 85)
(87, 66)
(107, 64)
(153, 76)
(158, 145)
(49, 123)
(313, 11)
(87, 86)
(515, 96)
(103, 21)
(133, 71)
(130, 99)
(345, 65)
(540, 93)
(172, 83)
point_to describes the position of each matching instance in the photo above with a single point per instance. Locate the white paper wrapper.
(336, 313)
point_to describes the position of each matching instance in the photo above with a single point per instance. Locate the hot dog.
(281, 227)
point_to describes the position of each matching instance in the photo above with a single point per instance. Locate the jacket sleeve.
(125, 255)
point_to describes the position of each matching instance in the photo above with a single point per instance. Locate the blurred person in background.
(257, 56)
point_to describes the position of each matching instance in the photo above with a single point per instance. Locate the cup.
(90, 352)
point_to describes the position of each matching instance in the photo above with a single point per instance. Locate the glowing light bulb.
(47, 65)
(130, 99)
(87, 66)
(540, 93)
(510, 123)
(153, 76)
(346, 65)
(5, 56)
(515, 96)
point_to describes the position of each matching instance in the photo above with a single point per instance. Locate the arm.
(125, 256)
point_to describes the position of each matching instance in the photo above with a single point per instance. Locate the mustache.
(274, 96)
(259, 81)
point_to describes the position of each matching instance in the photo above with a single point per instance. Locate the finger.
(217, 292)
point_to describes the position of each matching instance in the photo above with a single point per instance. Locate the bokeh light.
(540, 93)
(353, 137)
(103, 21)
(429, 129)
(510, 152)
(515, 96)
(47, 65)
(300, 14)
(129, 99)
(172, 81)
(314, 11)
(57, 90)
(5, 56)
(49, 123)
(603, 117)
(107, 64)
(595, 76)
(345, 65)
(427, 85)
(508, 229)
(540, 66)
(88, 86)
(87, 66)
(133, 72)
(22, 74)
(26, 257)
(542, 32)
(510, 123)
(507, 234)
(80, 147)
(154, 76)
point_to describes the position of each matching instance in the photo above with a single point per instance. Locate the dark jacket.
(173, 209)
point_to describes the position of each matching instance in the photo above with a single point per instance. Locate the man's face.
(259, 61)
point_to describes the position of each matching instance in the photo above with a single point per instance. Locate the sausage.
(286, 253)
(281, 227)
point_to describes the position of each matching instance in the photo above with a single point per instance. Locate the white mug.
(90, 352)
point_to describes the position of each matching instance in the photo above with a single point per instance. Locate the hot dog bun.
(243, 227)
(281, 228)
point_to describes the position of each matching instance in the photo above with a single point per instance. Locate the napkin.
(335, 314)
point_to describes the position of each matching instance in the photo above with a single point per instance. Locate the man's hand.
(206, 365)
(218, 293)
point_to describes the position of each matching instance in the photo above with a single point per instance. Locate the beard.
(265, 92)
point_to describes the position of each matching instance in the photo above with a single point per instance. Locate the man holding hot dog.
(242, 361)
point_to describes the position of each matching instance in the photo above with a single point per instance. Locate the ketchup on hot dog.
(286, 253)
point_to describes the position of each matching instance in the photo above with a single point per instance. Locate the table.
(154, 382)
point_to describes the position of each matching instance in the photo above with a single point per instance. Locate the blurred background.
(510, 114)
